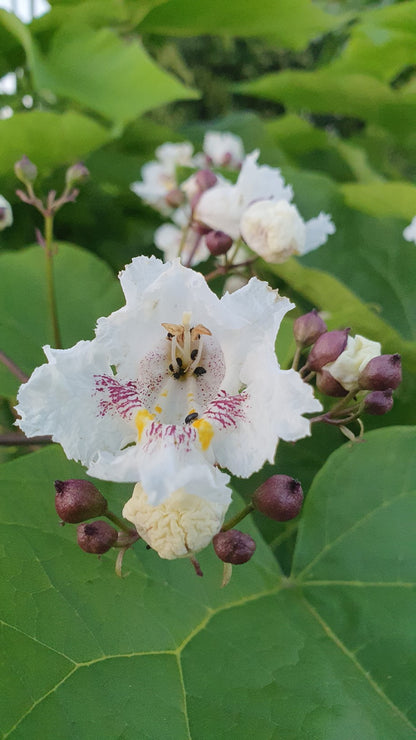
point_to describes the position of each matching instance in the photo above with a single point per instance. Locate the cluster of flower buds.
(279, 497)
(27, 172)
(350, 368)
(77, 501)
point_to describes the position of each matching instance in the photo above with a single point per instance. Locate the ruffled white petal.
(317, 231)
(261, 182)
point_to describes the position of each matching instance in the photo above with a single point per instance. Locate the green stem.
(344, 402)
(237, 518)
(119, 522)
(296, 358)
(50, 280)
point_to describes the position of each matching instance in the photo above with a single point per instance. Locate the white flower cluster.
(255, 212)
(176, 385)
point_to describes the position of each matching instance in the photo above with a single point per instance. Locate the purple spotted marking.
(118, 397)
(226, 410)
(179, 435)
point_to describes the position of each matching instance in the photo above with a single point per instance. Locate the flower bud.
(174, 198)
(378, 403)
(96, 537)
(326, 383)
(218, 242)
(76, 174)
(6, 214)
(78, 500)
(205, 179)
(234, 546)
(25, 170)
(327, 348)
(381, 373)
(280, 498)
(308, 328)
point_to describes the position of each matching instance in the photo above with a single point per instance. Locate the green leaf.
(274, 19)
(132, 85)
(49, 139)
(161, 652)
(24, 319)
(382, 198)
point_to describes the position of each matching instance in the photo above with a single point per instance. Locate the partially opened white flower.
(174, 382)
(410, 231)
(6, 213)
(159, 177)
(255, 209)
(180, 526)
(347, 368)
(223, 149)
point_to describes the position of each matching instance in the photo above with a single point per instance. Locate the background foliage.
(313, 636)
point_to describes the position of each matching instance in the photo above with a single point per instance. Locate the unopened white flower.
(159, 177)
(6, 213)
(175, 382)
(273, 229)
(410, 231)
(180, 526)
(351, 362)
(223, 149)
(222, 206)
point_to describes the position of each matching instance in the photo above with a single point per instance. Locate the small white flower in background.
(223, 149)
(351, 362)
(168, 238)
(180, 526)
(175, 382)
(410, 231)
(159, 177)
(6, 213)
(236, 210)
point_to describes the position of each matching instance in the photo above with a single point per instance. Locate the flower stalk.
(237, 518)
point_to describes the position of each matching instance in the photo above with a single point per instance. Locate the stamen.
(194, 354)
(199, 371)
(191, 417)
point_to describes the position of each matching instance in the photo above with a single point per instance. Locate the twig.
(13, 439)
(15, 369)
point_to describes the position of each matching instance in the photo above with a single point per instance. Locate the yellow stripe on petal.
(205, 432)
(142, 419)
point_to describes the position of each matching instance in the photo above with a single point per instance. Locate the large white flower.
(234, 209)
(159, 177)
(175, 382)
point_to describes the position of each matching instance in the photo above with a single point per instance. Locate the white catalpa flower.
(168, 238)
(175, 382)
(351, 362)
(177, 528)
(159, 177)
(234, 210)
(6, 213)
(223, 149)
(410, 231)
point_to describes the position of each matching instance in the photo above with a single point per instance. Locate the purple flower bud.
(381, 373)
(25, 170)
(78, 500)
(280, 498)
(234, 546)
(76, 174)
(205, 179)
(327, 348)
(174, 198)
(327, 384)
(218, 242)
(96, 537)
(378, 402)
(308, 328)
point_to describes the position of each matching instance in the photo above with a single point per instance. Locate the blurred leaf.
(312, 647)
(85, 287)
(273, 18)
(382, 198)
(48, 139)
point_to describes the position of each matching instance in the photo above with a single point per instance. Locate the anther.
(194, 354)
(179, 361)
(169, 335)
(199, 370)
(176, 375)
(171, 367)
(190, 418)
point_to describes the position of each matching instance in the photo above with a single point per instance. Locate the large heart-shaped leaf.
(162, 653)
(25, 324)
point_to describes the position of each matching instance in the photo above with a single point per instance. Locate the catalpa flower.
(159, 176)
(175, 384)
